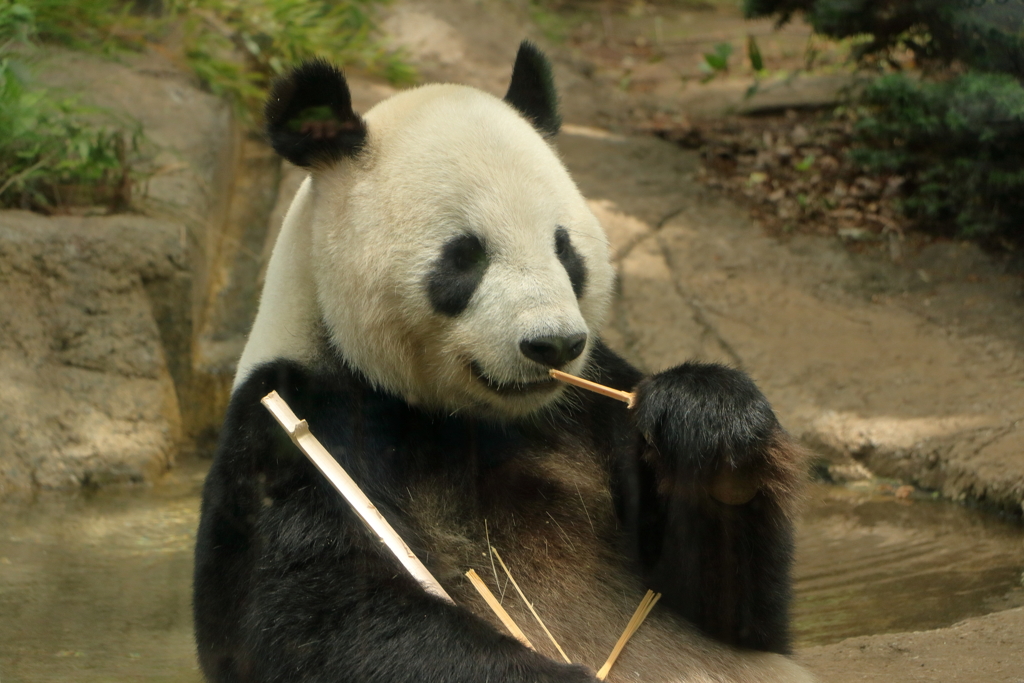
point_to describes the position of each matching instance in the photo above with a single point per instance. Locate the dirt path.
(914, 372)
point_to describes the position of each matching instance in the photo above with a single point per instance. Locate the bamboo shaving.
(646, 605)
(496, 607)
(528, 604)
(487, 537)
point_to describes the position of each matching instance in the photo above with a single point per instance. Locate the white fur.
(441, 160)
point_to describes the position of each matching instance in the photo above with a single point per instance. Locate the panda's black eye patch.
(571, 261)
(456, 274)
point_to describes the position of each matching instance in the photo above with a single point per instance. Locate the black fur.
(708, 414)
(289, 585)
(571, 261)
(456, 274)
(309, 116)
(532, 90)
(697, 420)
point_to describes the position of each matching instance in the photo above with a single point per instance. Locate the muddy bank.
(982, 649)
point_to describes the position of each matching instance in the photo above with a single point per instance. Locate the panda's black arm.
(725, 567)
(290, 586)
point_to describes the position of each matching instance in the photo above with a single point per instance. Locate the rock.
(801, 92)
(191, 129)
(853, 234)
(199, 150)
(228, 299)
(85, 392)
(623, 230)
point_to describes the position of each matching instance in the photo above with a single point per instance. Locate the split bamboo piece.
(299, 432)
(530, 605)
(646, 605)
(627, 397)
(496, 607)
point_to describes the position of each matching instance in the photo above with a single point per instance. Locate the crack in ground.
(697, 308)
(627, 249)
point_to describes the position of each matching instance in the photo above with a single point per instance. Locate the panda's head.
(454, 259)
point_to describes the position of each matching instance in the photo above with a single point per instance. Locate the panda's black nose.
(553, 352)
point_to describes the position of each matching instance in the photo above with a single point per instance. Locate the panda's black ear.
(532, 90)
(309, 116)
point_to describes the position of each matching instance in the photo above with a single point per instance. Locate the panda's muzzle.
(549, 351)
(543, 384)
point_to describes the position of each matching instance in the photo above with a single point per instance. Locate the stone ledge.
(85, 394)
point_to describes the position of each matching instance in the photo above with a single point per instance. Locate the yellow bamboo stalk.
(627, 397)
(299, 432)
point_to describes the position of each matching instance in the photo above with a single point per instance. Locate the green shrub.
(958, 143)
(103, 25)
(55, 152)
(983, 34)
(237, 47)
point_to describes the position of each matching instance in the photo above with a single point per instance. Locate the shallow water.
(97, 587)
(868, 563)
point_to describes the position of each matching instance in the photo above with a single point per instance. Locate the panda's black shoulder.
(301, 386)
(611, 367)
(250, 433)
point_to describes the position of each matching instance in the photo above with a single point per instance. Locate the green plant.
(555, 25)
(237, 47)
(754, 54)
(958, 143)
(55, 152)
(102, 25)
(716, 61)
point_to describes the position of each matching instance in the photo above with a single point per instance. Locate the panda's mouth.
(542, 384)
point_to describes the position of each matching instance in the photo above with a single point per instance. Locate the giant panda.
(433, 267)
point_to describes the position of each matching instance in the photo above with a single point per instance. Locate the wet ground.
(97, 587)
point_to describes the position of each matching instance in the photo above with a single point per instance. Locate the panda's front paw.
(707, 430)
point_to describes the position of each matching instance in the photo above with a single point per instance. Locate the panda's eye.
(571, 261)
(562, 243)
(465, 253)
(456, 274)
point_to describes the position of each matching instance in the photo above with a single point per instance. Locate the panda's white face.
(455, 260)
